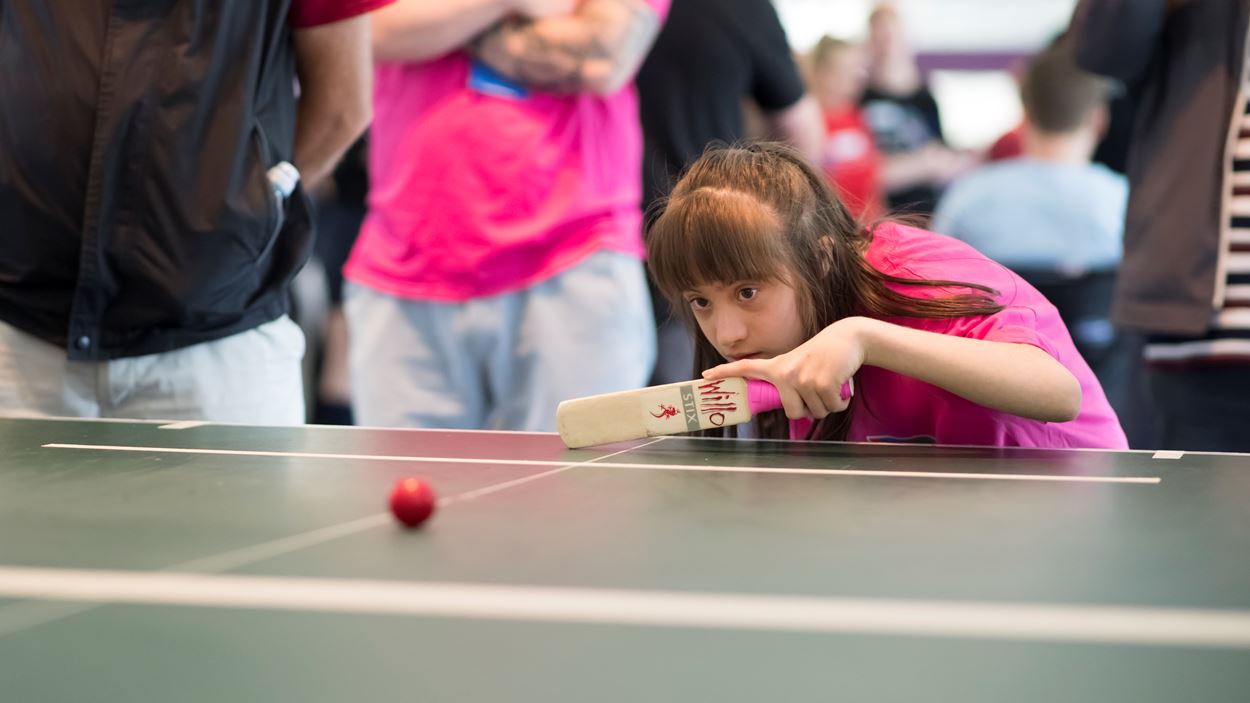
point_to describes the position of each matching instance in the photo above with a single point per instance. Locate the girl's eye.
(748, 293)
(698, 303)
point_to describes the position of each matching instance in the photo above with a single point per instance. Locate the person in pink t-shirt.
(499, 268)
(944, 345)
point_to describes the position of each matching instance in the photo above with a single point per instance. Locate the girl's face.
(748, 319)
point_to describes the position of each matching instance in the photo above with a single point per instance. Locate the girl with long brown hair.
(780, 283)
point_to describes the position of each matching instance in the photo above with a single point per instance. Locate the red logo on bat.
(715, 402)
(665, 411)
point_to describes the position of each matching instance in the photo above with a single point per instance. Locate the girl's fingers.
(816, 405)
(836, 399)
(750, 368)
(793, 403)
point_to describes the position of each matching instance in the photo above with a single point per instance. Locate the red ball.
(412, 501)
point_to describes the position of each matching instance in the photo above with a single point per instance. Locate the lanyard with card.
(487, 81)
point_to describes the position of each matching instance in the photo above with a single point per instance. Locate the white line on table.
(18, 617)
(279, 547)
(184, 425)
(1060, 478)
(1184, 627)
(1167, 455)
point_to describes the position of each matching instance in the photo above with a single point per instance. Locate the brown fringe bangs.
(713, 235)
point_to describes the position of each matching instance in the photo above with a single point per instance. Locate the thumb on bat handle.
(763, 396)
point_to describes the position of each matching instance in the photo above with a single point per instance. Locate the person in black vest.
(153, 159)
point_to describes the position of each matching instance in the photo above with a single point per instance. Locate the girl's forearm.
(1015, 378)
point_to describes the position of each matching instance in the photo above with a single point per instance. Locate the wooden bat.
(669, 409)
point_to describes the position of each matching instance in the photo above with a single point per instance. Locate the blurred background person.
(710, 57)
(1112, 149)
(849, 156)
(1185, 277)
(1051, 215)
(156, 283)
(340, 212)
(499, 269)
(905, 121)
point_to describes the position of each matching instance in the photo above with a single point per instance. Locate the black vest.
(135, 136)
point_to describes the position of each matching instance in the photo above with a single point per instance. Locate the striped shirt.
(1228, 337)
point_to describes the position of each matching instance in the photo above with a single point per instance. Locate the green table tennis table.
(184, 561)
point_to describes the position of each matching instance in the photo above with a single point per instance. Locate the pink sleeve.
(1018, 325)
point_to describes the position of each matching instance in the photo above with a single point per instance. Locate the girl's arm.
(1015, 378)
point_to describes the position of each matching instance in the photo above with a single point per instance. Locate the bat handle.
(763, 396)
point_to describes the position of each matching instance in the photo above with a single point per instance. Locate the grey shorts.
(502, 362)
(253, 377)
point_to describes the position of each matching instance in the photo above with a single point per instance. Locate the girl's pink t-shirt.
(896, 408)
(477, 191)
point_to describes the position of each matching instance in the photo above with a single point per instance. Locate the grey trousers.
(502, 362)
(253, 377)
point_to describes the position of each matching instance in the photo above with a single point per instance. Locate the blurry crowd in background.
(479, 253)
(1045, 197)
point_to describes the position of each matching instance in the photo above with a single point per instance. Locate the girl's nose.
(731, 329)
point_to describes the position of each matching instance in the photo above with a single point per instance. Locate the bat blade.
(660, 410)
